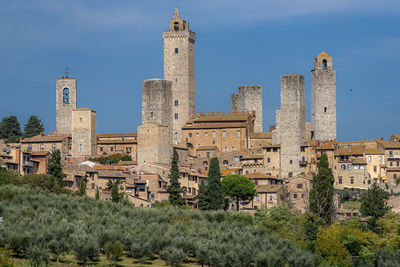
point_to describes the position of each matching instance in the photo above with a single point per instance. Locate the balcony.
(28, 163)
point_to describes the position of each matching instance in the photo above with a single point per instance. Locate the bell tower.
(179, 69)
(323, 99)
(65, 103)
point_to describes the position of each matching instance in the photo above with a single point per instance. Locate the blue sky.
(111, 46)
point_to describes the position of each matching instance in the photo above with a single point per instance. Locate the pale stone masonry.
(65, 103)
(179, 68)
(291, 123)
(83, 132)
(249, 98)
(153, 144)
(323, 99)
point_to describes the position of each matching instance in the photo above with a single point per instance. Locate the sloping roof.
(77, 167)
(111, 174)
(218, 125)
(225, 172)
(114, 135)
(359, 161)
(207, 148)
(53, 137)
(84, 109)
(130, 162)
(252, 156)
(257, 175)
(40, 153)
(272, 146)
(323, 54)
(263, 135)
(389, 145)
(272, 188)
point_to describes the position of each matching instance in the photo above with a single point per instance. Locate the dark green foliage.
(215, 194)
(55, 167)
(33, 127)
(238, 187)
(202, 196)
(112, 159)
(10, 129)
(44, 181)
(215, 238)
(97, 193)
(114, 251)
(82, 187)
(321, 193)
(373, 205)
(174, 188)
(6, 258)
(38, 255)
(115, 195)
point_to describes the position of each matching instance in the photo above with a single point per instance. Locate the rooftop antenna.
(66, 71)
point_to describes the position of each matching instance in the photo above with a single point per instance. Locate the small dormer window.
(176, 50)
(176, 26)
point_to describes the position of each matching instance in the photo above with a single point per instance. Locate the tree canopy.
(33, 127)
(215, 194)
(174, 188)
(55, 167)
(321, 193)
(238, 187)
(10, 129)
(373, 205)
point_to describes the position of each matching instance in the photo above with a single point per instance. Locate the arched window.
(324, 64)
(176, 50)
(205, 163)
(225, 162)
(342, 167)
(176, 26)
(66, 96)
(176, 103)
(176, 116)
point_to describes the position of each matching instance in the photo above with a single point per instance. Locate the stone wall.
(64, 108)
(83, 132)
(249, 98)
(234, 102)
(291, 123)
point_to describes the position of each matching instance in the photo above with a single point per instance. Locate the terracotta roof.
(263, 135)
(226, 117)
(207, 148)
(225, 172)
(105, 142)
(257, 175)
(323, 54)
(273, 188)
(111, 174)
(252, 156)
(40, 153)
(77, 167)
(109, 135)
(359, 161)
(130, 162)
(110, 167)
(374, 151)
(53, 137)
(272, 146)
(388, 144)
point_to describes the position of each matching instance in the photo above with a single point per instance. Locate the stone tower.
(155, 133)
(83, 132)
(65, 103)
(323, 99)
(249, 98)
(179, 68)
(291, 123)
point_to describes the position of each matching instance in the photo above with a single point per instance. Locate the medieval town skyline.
(111, 59)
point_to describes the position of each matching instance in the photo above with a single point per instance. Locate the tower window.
(151, 114)
(176, 26)
(325, 109)
(176, 103)
(66, 96)
(176, 135)
(324, 64)
(176, 50)
(176, 116)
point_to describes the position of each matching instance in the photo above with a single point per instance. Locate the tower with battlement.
(179, 69)
(291, 123)
(65, 103)
(249, 98)
(323, 99)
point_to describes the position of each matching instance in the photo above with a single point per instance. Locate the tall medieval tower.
(65, 103)
(323, 99)
(179, 68)
(292, 117)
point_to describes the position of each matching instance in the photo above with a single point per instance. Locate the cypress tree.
(115, 196)
(373, 205)
(82, 188)
(97, 193)
(202, 196)
(55, 168)
(215, 194)
(10, 129)
(33, 127)
(174, 188)
(321, 193)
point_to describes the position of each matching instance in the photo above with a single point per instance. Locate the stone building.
(117, 143)
(154, 144)
(323, 99)
(249, 98)
(65, 103)
(49, 142)
(179, 68)
(291, 123)
(83, 132)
